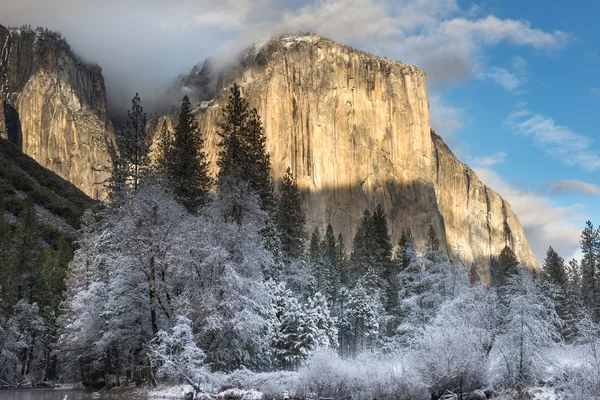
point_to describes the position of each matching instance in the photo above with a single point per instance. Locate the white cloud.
(519, 64)
(502, 77)
(573, 187)
(445, 120)
(558, 141)
(488, 161)
(545, 224)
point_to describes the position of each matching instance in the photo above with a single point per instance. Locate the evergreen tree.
(555, 272)
(433, 244)
(329, 253)
(163, 152)
(383, 243)
(134, 148)
(27, 259)
(504, 266)
(188, 166)
(361, 319)
(372, 247)
(290, 219)
(554, 268)
(362, 247)
(405, 243)
(589, 265)
(317, 265)
(342, 261)
(243, 148)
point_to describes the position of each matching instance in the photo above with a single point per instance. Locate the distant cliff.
(53, 107)
(355, 130)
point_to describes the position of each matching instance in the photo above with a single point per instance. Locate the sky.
(514, 86)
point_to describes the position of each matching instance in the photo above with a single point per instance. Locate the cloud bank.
(143, 44)
(573, 187)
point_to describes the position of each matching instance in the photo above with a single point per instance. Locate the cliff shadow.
(12, 123)
(408, 205)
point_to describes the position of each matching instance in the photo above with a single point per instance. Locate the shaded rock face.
(53, 107)
(355, 130)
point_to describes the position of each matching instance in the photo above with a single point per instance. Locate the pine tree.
(433, 244)
(188, 166)
(361, 318)
(134, 148)
(243, 148)
(290, 219)
(163, 152)
(555, 272)
(589, 266)
(504, 266)
(554, 268)
(329, 252)
(362, 246)
(317, 265)
(342, 261)
(405, 243)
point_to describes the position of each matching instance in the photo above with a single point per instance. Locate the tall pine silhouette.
(290, 220)
(243, 148)
(132, 162)
(188, 165)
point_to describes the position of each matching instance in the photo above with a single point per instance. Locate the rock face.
(53, 107)
(355, 130)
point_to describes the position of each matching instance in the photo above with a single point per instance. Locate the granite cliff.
(53, 107)
(355, 129)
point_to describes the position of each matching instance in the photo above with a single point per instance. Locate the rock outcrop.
(53, 107)
(355, 130)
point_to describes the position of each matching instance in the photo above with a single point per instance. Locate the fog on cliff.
(142, 45)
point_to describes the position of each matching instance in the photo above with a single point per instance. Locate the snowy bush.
(326, 375)
(451, 353)
(176, 355)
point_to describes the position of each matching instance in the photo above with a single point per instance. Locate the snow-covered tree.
(529, 328)
(229, 300)
(360, 321)
(176, 356)
(451, 353)
(426, 283)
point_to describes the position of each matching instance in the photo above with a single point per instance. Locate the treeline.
(183, 275)
(34, 262)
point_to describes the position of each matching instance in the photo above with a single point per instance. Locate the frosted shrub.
(177, 356)
(326, 375)
(580, 383)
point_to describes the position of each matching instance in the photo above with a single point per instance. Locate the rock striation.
(53, 107)
(355, 129)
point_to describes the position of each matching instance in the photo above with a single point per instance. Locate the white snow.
(289, 41)
(239, 394)
(56, 221)
(543, 393)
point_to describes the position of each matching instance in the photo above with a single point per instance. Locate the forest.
(214, 282)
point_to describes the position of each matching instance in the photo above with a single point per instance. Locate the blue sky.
(514, 85)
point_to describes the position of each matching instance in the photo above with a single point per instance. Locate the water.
(51, 394)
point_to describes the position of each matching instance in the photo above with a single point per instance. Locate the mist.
(141, 46)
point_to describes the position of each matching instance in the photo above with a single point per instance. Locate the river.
(51, 394)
